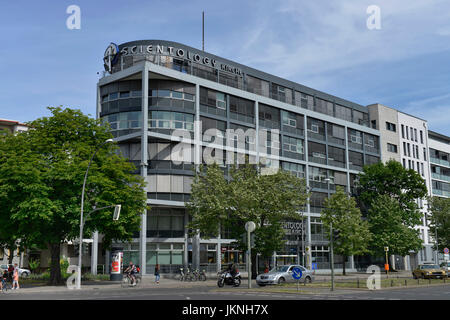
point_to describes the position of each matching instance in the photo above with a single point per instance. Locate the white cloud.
(322, 38)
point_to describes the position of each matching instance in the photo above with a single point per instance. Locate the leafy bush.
(91, 277)
(34, 264)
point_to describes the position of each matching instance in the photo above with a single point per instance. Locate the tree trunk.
(254, 266)
(343, 265)
(11, 255)
(55, 268)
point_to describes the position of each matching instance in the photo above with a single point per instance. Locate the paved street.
(174, 290)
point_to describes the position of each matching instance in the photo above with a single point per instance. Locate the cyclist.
(131, 270)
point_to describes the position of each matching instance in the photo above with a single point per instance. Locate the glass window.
(343, 113)
(257, 86)
(177, 95)
(391, 148)
(163, 93)
(296, 169)
(113, 96)
(125, 94)
(188, 96)
(293, 148)
(317, 152)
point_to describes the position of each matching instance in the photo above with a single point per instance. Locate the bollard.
(406, 283)
(357, 283)
(429, 280)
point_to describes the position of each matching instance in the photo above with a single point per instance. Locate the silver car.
(282, 274)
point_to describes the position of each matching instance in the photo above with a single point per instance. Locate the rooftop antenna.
(203, 30)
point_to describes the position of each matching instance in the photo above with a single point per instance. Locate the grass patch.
(362, 283)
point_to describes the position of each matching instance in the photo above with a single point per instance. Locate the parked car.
(282, 274)
(429, 271)
(446, 266)
(23, 273)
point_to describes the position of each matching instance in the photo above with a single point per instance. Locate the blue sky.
(325, 45)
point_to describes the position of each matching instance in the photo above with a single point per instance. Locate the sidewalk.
(147, 282)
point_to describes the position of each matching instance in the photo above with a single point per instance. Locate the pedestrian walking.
(157, 274)
(15, 277)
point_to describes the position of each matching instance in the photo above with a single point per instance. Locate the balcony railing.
(440, 177)
(440, 161)
(441, 193)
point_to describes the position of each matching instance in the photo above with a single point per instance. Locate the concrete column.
(107, 262)
(352, 262)
(94, 253)
(406, 262)
(144, 159)
(219, 253)
(198, 150)
(393, 261)
(186, 244)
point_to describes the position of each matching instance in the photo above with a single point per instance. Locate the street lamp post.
(80, 252)
(331, 241)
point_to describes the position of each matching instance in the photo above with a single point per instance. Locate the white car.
(23, 273)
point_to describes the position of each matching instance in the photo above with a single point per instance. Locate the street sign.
(314, 266)
(250, 226)
(446, 257)
(446, 250)
(296, 273)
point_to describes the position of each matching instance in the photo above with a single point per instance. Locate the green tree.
(41, 183)
(439, 209)
(266, 200)
(388, 193)
(351, 234)
(389, 229)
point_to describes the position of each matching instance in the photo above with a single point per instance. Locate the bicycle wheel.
(125, 282)
(138, 281)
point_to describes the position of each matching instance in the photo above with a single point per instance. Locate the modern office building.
(156, 92)
(439, 146)
(404, 138)
(439, 153)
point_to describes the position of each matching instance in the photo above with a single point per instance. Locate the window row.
(169, 183)
(410, 133)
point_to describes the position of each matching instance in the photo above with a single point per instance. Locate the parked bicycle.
(127, 281)
(184, 275)
(199, 276)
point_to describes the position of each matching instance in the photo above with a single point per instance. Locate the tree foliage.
(439, 209)
(41, 177)
(351, 234)
(388, 193)
(266, 200)
(389, 229)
